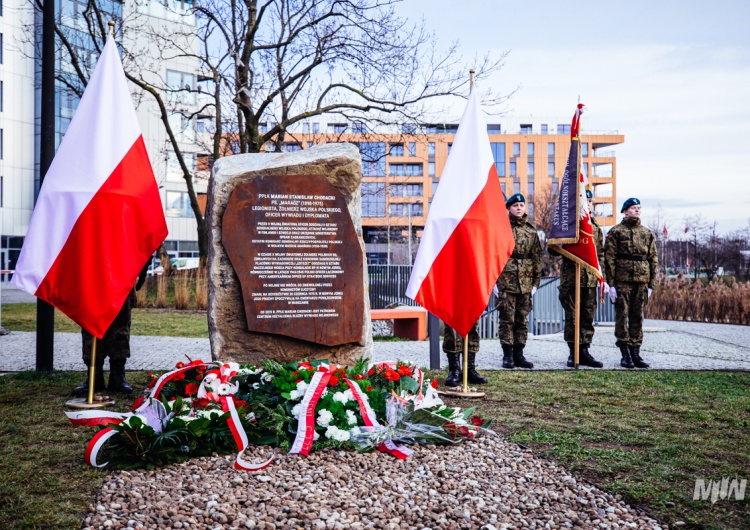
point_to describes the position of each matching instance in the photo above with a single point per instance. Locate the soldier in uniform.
(453, 347)
(630, 266)
(115, 344)
(588, 298)
(517, 284)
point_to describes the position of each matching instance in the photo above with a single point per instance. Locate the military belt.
(636, 257)
(519, 255)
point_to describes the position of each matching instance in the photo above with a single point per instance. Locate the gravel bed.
(487, 483)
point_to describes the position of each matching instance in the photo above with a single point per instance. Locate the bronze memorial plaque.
(292, 243)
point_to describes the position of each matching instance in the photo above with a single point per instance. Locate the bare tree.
(545, 201)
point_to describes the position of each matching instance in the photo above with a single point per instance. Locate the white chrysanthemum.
(296, 409)
(209, 413)
(324, 418)
(187, 418)
(354, 431)
(351, 418)
(266, 377)
(316, 436)
(249, 371)
(250, 416)
(294, 395)
(342, 436)
(331, 431)
(256, 386)
(302, 387)
(341, 397)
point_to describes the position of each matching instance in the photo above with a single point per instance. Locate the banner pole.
(466, 363)
(92, 371)
(577, 313)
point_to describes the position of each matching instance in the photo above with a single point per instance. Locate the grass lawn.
(644, 435)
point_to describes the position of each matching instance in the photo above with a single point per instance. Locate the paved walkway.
(667, 346)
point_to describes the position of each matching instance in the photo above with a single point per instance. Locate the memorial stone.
(286, 257)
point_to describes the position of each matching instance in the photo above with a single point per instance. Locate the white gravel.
(487, 483)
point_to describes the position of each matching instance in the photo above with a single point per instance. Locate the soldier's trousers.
(453, 342)
(514, 309)
(629, 305)
(116, 341)
(587, 310)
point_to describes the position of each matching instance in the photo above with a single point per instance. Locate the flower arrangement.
(203, 408)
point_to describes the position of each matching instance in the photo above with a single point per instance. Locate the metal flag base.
(99, 402)
(3, 331)
(470, 393)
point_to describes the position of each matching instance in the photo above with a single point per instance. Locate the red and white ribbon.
(93, 418)
(240, 437)
(306, 425)
(399, 451)
(96, 443)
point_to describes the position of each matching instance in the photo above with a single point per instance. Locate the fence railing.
(388, 286)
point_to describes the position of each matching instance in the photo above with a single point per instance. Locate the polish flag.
(467, 238)
(99, 215)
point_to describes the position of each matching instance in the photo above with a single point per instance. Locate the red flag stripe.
(83, 280)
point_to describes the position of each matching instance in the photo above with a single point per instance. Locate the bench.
(408, 322)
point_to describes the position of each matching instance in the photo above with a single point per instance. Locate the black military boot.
(626, 361)
(472, 375)
(454, 370)
(518, 358)
(99, 386)
(507, 356)
(635, 354)
(587, 360)
(117, 381)
(571, 358)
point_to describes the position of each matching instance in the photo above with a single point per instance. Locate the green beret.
(514, 199)
(589, 195)
(630, 202)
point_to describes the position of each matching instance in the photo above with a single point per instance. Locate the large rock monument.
(286, 259)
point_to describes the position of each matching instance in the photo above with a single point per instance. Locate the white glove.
(495, 291)
(533, 290)
(612, 294)
(650, 290)
(606, 287)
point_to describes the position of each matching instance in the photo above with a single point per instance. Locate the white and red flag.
(571, 229)
(99, 215)
(467, 238)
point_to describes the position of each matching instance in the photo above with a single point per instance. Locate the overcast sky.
(672, 76)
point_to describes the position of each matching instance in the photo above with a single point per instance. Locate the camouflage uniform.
(522, 272)
(115, 343)
(630, 266)
(567, 290)
(453, 343)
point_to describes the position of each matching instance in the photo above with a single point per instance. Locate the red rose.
(191, 389)
(368, 388)
(391, 375)
(240, 403)
(333, 381)
(179, 377)
(200, 403)
(305, 366)
(371, 371)
(179, 365)
(434, 383)
(476, 420)
(404, 371)
(463, 430)
(137, 403)
(197, 361)
(359, 377)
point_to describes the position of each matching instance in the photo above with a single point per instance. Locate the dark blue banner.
(565, 222)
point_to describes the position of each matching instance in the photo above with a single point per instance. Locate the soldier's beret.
(514, 199)
(589, 195)
(630, 202)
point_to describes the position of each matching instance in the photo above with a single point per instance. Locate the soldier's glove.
(650, 290)
(612, 294)
(533, 291)
(495, 291)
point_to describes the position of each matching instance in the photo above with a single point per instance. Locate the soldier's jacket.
(568, 268)
(630, 254)
(524, 268)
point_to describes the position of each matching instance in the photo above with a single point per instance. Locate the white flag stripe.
(84, 160)
(470, 155)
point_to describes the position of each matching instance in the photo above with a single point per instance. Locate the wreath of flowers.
(203, 408)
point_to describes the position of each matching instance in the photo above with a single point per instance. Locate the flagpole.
(92, 372)
(578, 315)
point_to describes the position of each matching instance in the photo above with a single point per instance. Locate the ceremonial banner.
(99, 215)
(467, 238)
(571, 230)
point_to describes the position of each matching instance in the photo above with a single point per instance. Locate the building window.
(450, 146)
(530, 149)
(544, 128)
(183, 127)
(373, 159)
(1, 91)
(181, 86)
(1, 144)
(359, 128)
(1, 48)
(373, 199)
(563, 128)
(530, 189)
(1, 192)
(178, 204)
(530, 210)
(512, 169)
(516, 149)
(526, 128)
(406, 170)
(498, 153)
(290, 147)
(502, 187)
(431, 169)
(409, 128)
(550, 169)
(397, 150)
(315, 127)
(585, 169)
(550, 149)
(494, 128)
(530, 169)
(174, 171)
(305, 128)
(555, 187)
(585, 149)
(310, 144)
(431, 149)
(412, 149)
(516, 187)
(337, 128)
(405, 190)
(400, 209)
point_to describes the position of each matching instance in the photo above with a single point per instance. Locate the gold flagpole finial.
(112, 27)
(471, 77)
